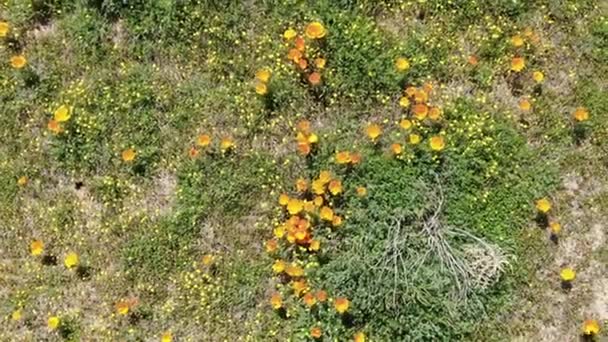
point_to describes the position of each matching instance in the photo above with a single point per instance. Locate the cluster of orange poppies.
(204, 141)
(307, 215)
(262, 80)
(418, 111)
(309, 61)
(305, 138)
(61, 115)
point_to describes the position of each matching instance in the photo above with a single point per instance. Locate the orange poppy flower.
(359, 337)
(414, 139)
(289, 34)
(62, 114)
(405, 124)
(434, 113)
(517, 40)
(294, 55)
(203, 140)
(300, 44)
(525, 105)
(410, 91)
(167, 336)
(301, 184)
(315, 30)
(4, 28)
(428, 88)
(421, 95)
(37, 247)
(402, 64)
(341, 305)
(335, 187)
(581, 114)
(278, 266)
(54, 126)
(261, 88)
(320, 62)
(303, 126)
(437, 143)
(299, 287)
(276, 301)
(283, 199)
(318, 201)
(591, 327)
(314, 246)
(193, 152)
(294, 206)
(128, 155)
(272, 245)
(208, 259)
(538, 76)
(122, 307)
(321, 296)
(326, 213)
(336, 221)
(22, 181)
(518, 64)
(263, 75)
(318, 187)
(472, 60)
(315, 332)
(304, 148)
(373, 131)
(294, 270)
(361, 191)
(543, 205)
(309, 299)
(18, 61)
(343, 157)
(555, 228)
(303, 63)
(396, 149)
(314, 78)
(226, 144)
(420, 111)
(325, 176)
(355, 158)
